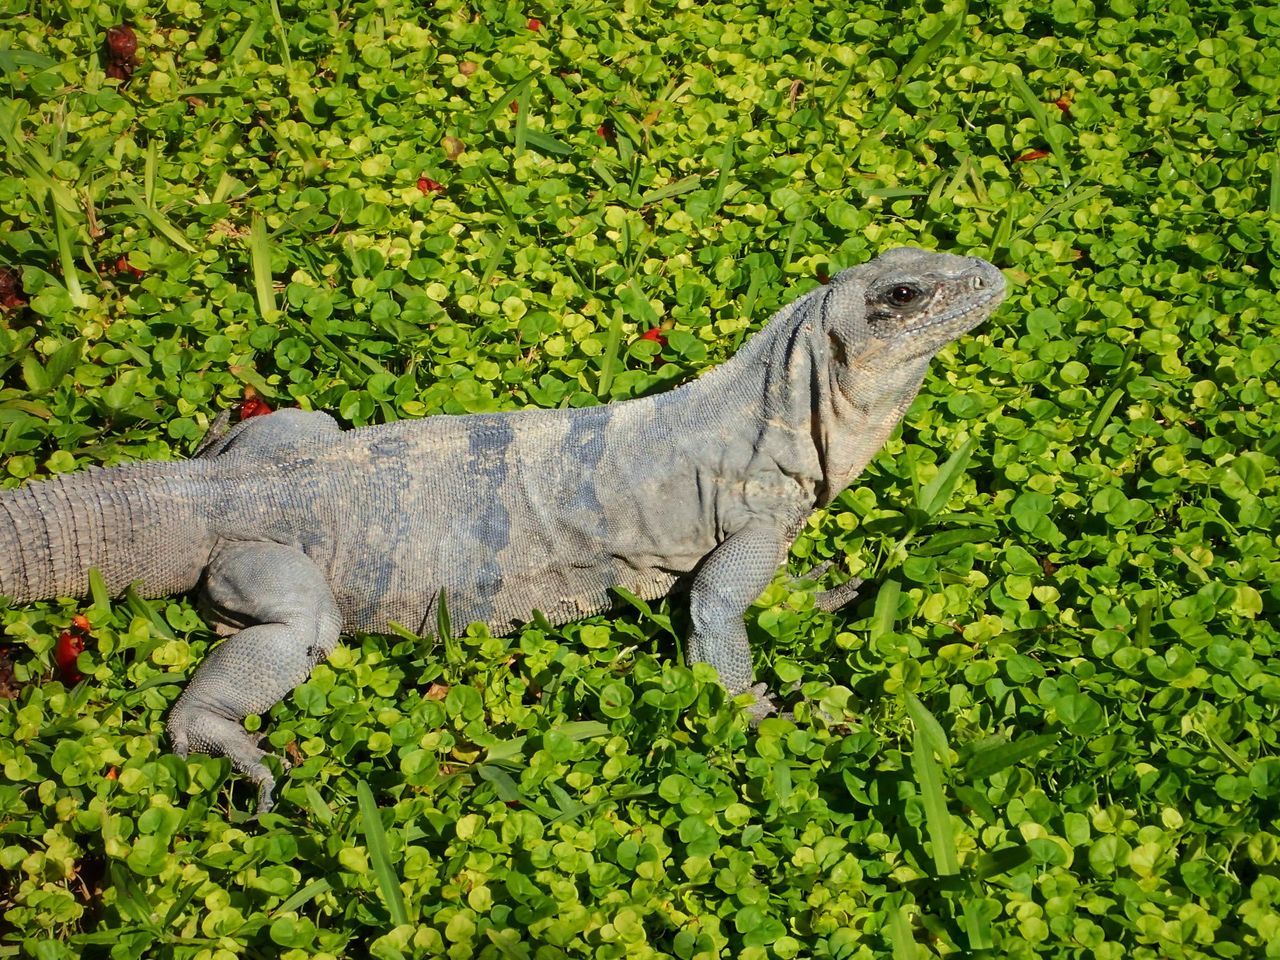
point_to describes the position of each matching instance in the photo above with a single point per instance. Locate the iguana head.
(907, 303)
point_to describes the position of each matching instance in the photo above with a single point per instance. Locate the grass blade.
(157, 219)
(149, 174)
(1001, 234)
(1273, 204)
(929, 727)
(1041, 117)
(886, 611)
(303, 896)
(936, 494)
(683, 185)
(98, 591)
(280, 35)
(11, 61)
(180, 904)
(609, 357)
(545, 143)
(749, 305)
(793, 240)
(725, 167)
(260, 262)
(936, 816)
(1105, 409)
(319, 808)
(500, 102)
(522, 120)
(66, 258)
(141, 608)
(926, 51)
(495, 257)
(1001, 861)
(904, 943)
(976, 917)
(375, 840)
(60, 364)
(993, 756)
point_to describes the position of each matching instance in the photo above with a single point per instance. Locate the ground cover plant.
(1049, 727)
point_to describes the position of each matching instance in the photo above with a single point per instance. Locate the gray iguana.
(293, 530)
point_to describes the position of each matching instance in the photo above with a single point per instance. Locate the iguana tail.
(143, 522)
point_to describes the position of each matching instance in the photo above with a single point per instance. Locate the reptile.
(293, 530)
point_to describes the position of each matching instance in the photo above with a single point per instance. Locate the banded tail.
(145, 522)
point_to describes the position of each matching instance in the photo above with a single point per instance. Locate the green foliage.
(1052, 729)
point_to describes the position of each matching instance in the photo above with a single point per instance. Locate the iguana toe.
(763, 705)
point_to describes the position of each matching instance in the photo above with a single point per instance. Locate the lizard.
(293, 530)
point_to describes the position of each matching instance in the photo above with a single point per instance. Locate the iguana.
(294, 530)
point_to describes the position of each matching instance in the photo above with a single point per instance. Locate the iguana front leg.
(295, 625)
(732, 576)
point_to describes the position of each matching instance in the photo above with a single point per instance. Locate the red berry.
(70, 645)
(429, 186)
(535, 24)
(80, 624)
(515, 106)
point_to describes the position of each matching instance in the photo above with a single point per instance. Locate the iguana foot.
(835, 598)
(196, 728)
(831, 600)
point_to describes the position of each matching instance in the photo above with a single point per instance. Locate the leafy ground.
(1050, 731)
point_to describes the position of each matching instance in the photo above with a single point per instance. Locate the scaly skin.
(295, 530)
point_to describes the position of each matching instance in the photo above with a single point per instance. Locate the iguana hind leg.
(295, 624)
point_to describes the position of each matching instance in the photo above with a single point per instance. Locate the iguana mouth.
(977, 307)
(982, 307)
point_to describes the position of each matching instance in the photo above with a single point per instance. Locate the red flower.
(654, 334)
(1031, 155)
(535, 24)
(70, 645)
(251, 406)
(429, 186)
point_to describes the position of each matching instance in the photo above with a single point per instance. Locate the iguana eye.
(903, 294)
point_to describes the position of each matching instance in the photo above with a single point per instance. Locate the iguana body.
(295, 530)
